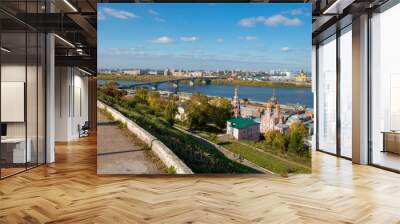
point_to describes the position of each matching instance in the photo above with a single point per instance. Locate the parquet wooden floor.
(69, 191)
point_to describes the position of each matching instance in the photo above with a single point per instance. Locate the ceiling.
(73, 21)
(331, 15)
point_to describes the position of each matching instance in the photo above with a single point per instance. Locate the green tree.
(198, 111)
(170, 111)
(221, 111)
(276, 139)
(280, 141)
(299, 127)
(196, 115)
(269, 137)
(297, 135)
(141, 95)
(154, 100)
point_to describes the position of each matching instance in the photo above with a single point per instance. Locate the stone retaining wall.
(162, 151)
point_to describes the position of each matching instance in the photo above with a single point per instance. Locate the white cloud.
(220, 40)
(163, 40)
(270, 21)
(161, 20)
(285, 49)
(189, 39)
(152, 12)
(100, 15)
(248, 38)
(119, 14)
(281, 20)
(247, 22)
(127, 52)
(297, 12)
(122, 51)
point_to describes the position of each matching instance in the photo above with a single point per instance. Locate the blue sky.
(204, 36)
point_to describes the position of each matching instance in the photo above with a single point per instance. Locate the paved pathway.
(119, 153)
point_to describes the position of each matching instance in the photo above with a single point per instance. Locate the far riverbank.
(143, 78)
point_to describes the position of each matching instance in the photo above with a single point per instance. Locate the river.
(302, 96)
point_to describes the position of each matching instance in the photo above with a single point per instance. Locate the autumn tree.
(197, 111)
(221, 111)
(111, 89)
(269, 137)
(276, 139)
(299, 126)
(297, 135)
(170, 111)
(154, 100)
(280, 141)
(141, 95)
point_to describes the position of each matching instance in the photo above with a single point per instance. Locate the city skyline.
(244, 36)
(204, 70)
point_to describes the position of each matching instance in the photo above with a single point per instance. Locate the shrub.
(144, 108)
(171, 170)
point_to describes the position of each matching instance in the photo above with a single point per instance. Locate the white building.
(289, 75)
(180, 114)
(243, 128)
(166, 72)
(131, 72)
(196, 74)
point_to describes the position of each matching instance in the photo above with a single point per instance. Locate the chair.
(84, 130)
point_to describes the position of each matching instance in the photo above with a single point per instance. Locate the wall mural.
(204, 88)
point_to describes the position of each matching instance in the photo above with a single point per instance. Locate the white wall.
(14, 73)
(33, 126)
(81, 103)
(71, 102)
(9, 73)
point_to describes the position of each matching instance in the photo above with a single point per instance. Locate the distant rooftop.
(241, 122)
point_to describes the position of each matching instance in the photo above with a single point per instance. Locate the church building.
(240, 127)
(272, 119)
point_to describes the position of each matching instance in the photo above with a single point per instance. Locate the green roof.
(241, 122)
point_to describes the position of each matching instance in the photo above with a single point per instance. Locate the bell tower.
(236, 103)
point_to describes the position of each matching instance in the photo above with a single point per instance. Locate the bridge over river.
(154, 84)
